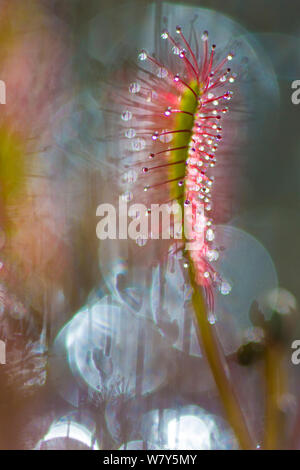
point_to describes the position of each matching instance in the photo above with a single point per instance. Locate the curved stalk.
(219, 368)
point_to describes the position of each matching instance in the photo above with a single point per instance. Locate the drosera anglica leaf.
(171, 134)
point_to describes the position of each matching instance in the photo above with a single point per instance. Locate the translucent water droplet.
(130, 133)
(130, 176)
(142, 55)
(225, 288)
(126, 115)
(138, 144)
(210, 235)
(165, 138)
(212, 255)
(164, 34)
(211, 318)
(162, 72)
(134, 87)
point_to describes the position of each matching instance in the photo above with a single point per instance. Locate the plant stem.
(219, 368)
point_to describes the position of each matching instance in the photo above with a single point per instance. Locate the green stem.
(219, 368)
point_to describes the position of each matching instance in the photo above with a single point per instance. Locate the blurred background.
(97, 356)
